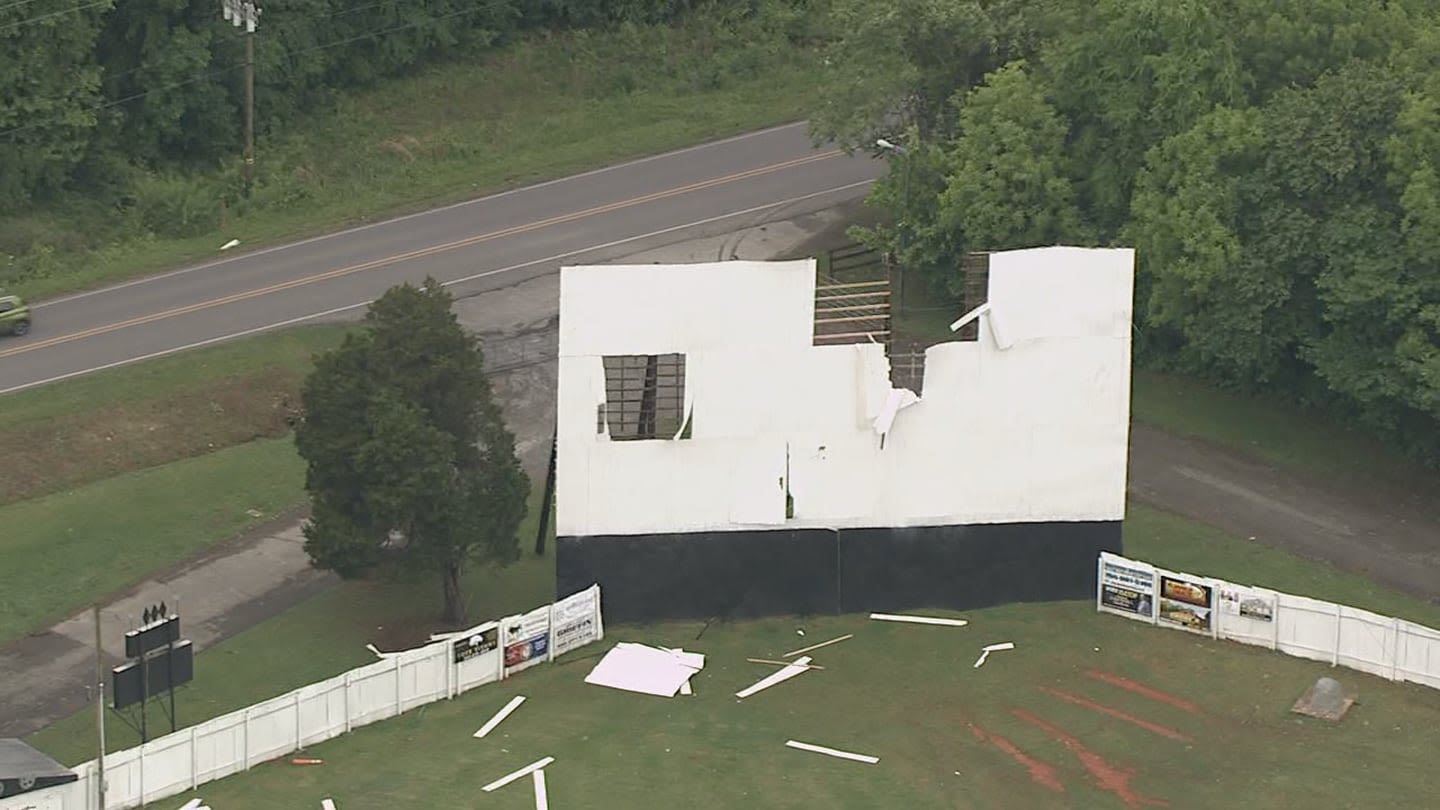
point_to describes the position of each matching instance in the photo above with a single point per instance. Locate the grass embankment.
(909, 695)
(542, 108)
(113, 476)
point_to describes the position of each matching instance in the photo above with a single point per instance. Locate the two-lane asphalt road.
(491, 242)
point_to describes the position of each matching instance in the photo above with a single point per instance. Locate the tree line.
(92, 89)
(1275, 163)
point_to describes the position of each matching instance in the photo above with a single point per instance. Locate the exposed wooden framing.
(855, 308)
(850, 319)
(852, 285)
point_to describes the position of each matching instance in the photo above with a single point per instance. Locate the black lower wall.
(749, 574)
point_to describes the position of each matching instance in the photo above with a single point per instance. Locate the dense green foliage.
(1276, 165)
(408, 457)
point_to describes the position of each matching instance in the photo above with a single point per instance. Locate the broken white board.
(693, 659)
(831, 752)
(542, 796)
(892, 617)
(511, 777)
(327, 804)
(647, 670)
(499, 716)
(796, 668)
(193, 804)
(989, 648)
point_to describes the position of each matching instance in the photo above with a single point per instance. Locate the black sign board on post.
(164, 670)
(159, 662)
(152, 636)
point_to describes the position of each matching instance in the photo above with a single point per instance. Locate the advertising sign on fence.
(1238, 600)
(1186, 602)
(1127, 588)
(476, 644)
(527, 640)
(575, 622)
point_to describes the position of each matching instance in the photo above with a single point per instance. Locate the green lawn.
(907, 694)
(63, 551)
(164, 377)
(541, 108)
(319, 639)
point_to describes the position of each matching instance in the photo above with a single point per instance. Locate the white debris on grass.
(644, 669)
(542, 796)
(511, 777)
(893, 617)
(820, 749)
(499, 716)
(814, 647)
(796, 668)
(989, 648)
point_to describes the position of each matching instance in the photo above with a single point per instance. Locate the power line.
(286, 52)
(117, 102)
(54, 14)
(16, 5)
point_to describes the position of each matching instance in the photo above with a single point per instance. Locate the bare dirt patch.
(56, 454)
(1106, 776)
(1143, 690)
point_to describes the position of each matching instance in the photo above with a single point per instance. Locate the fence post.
(347, 701)
(142, 769)
(1339, 620)
(1275, 622)
(194, 761)
(1395, 651)
(245, 739)
(550, 642)
(397, 686)
(599, 615)
(451, 670)
(299, 735)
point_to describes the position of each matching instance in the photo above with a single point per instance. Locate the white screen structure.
(1029, 423)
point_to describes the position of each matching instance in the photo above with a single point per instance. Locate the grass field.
(320, 638)
(63, 551)
(943, 731)
(113, 422)
(541, 108)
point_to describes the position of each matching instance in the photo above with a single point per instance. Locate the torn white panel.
(642, 669)
(896, 400)
(193, 804)
(1029, 423)
(970, 317)
(694, 660)
(327, 804)
(542, 795)
(499, 716)
(832, 752)
(511, 777)
(894, 617)
(796, 668)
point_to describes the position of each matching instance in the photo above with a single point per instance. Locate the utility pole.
(246, 13)
(99, 710)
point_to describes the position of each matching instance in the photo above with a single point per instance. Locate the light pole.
(905, 213)
(246, 13)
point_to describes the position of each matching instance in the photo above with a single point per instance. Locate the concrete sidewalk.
(251, 578)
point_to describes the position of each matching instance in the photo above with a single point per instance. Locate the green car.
(14, 315)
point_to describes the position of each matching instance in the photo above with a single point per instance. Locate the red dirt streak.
(1040, 773)
(1141, 689)
(1107, 776)
(1156, 728)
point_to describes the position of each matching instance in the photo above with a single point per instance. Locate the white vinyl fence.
(448, 666)
(1295, 625)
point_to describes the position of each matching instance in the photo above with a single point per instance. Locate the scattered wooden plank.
(781, 663)
(814, 647)
(525, 771)
(797, 667)
(820, 749)
(542, 797)
(892, 617)
(499, 716)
